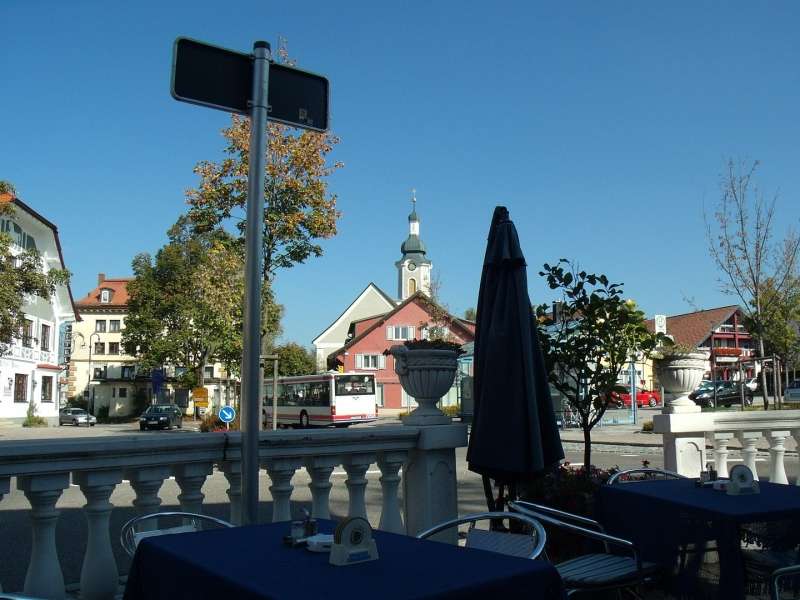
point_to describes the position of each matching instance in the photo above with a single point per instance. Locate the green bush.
(78, 401)
(211, 422)
(647, 425)
(102, 414)
(32, 419)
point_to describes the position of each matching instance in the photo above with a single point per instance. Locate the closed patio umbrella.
(514, 436)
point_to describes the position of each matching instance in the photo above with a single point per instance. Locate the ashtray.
(320, 543)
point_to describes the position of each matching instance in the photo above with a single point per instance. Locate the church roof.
(412, 245)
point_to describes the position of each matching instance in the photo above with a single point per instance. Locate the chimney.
(101, 277)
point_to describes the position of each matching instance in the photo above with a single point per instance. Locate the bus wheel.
(303, 420)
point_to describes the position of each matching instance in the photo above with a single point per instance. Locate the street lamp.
(91, 372)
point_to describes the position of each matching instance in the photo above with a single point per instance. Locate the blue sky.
(602, 126)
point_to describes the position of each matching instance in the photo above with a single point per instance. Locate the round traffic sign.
(227, 414)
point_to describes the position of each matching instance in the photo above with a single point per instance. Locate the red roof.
(119, 294)
(692, 329)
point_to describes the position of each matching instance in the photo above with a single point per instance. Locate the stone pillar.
(429, 479)
(720, 441)
(146, 482)
(796, 436)
(319, 469)
(777, 468)
(357, 466)
(684, 440)
(99, 575)
(749, 439)
(190, 478)
(44, 578)
(389, 464)
(233, 473)
(281, 471)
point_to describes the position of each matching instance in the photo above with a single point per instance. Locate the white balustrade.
(98, 465)
(750, 428)
(99, 575)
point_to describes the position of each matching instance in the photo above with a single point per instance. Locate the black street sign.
(223, 79)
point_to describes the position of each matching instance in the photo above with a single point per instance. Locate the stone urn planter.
(680, 374)
(426, 375)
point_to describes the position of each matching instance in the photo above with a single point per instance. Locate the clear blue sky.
(603, 126)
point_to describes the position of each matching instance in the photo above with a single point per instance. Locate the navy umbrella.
(514, 436)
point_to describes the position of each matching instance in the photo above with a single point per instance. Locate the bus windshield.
(355, 385)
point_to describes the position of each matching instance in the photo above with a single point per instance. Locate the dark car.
(161, 416)
(727, 393)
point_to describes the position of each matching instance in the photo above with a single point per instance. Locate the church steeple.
(414, 268)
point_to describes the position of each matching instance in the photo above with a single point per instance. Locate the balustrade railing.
(686, 435)
(43, 469)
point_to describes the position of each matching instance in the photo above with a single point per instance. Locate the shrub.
(32, 419)
(647, 425)
(78, 401)
(102, 414)
(211, 422)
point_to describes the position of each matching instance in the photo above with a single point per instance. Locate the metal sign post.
(233, 81)
(632, 375)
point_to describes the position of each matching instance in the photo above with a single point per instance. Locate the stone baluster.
(777, 468)
(720, 441)
(190, 478)
(319, 469)
(796, 436)
(99, 575)
(356, 466)
(389, 464)
(281, 471)
(749, 439)
(233, 473)
(146, 482)
(44, 578)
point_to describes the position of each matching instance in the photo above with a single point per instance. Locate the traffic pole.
(254, 235)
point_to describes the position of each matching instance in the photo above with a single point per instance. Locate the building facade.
(32, 369)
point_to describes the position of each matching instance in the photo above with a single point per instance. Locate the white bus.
(338, 399)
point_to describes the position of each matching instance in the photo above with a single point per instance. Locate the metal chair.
(621, 476)
(775, 580)
(513, 544)
(596, 571)
(129, 538)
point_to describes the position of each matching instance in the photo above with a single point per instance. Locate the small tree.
(742, 245)
(780, 320)
(587, 348)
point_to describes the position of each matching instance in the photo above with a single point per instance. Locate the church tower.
(413, 268)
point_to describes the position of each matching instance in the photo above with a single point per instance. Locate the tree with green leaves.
(742, 244)
(780, 322)
(185, 305)
(593, 339)
(22, 274)
(294, 359)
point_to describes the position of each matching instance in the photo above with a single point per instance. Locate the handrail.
(541, 534)
(128, 530)
(777, 575)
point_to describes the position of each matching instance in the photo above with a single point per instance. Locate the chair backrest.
(129, 537)
(775, 580)
(529, 545)
(648, 472)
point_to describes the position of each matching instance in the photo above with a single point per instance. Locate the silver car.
(76, 416)
(792, 392)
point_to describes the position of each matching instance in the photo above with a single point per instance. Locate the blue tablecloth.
(253, 563)
(661, 515)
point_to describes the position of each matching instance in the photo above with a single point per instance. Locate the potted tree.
(426, 369)
(680, 370)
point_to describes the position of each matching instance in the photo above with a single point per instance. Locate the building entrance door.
(20, 388)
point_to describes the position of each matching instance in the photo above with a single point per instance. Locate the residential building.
(32, 368)
(720, 332)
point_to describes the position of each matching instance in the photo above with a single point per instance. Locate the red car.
(643, 398)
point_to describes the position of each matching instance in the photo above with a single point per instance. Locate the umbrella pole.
(487, 490)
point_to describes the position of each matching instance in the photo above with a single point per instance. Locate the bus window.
(355, 385)
(319, 393)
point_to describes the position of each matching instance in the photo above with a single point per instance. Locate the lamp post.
(91, 373)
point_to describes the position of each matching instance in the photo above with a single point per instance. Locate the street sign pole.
(253, 276)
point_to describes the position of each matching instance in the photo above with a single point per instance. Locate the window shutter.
(359, 361)
(389, 333)
(381, 361)
(411, 332)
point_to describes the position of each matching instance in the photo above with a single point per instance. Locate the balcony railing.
(43, 469)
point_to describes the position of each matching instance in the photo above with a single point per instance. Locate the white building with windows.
(32, 368)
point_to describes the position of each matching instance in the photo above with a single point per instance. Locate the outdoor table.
(661, 515)
(253, 563)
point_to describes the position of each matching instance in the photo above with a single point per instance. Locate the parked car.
(161, 416)
(643, 398)
(792, 392)
(76, 416)
(728, 393)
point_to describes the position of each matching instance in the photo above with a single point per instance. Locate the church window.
(412, 286)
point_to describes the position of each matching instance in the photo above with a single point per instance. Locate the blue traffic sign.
(227, 414)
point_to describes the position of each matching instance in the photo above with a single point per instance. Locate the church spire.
(414, 267)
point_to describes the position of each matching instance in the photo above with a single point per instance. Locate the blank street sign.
(223, 79)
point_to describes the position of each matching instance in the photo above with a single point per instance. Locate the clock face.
(411, 266)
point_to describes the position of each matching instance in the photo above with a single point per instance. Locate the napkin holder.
(741, 482)
(353, 543)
